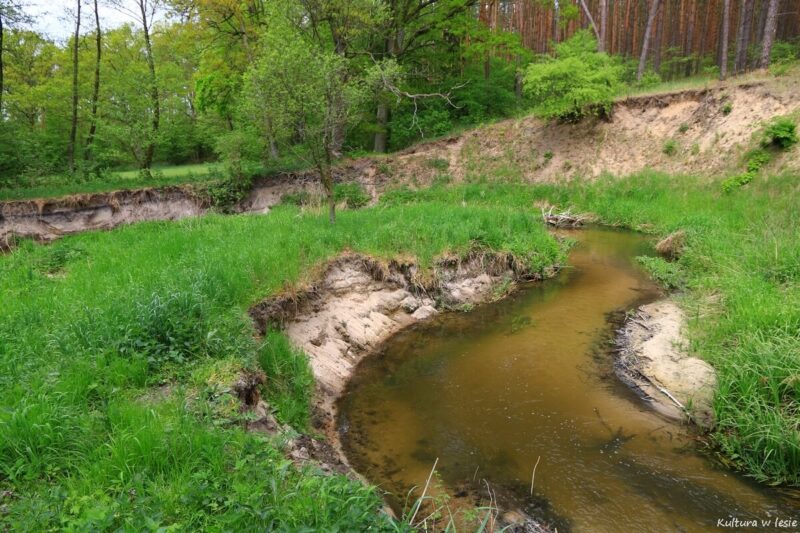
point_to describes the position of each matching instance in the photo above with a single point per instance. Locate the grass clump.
(670, 147)
(727, 108)
(351, 194)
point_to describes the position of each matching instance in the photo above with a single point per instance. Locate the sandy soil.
(652, 358)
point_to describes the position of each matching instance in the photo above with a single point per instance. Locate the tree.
(726, 24)
(88, 154)
(651, 17)
(10, 15)
(73, 132)
(770, 28)
(577, 82)
(309, 93)
(743, 35)
(144, 12)
(411, 26)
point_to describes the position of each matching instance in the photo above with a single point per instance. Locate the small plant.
(352, 194)
(667, 274)
(670, 147)
(696, 149)
(683, 128)
(438, 163)
(780, 133)
(548, 155)
(757, 159)
(299, 198)
(734, 182)
(727, 107)
(440, 180)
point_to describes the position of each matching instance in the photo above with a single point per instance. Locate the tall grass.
(117, 351)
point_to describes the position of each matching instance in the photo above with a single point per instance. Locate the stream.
(528, 383)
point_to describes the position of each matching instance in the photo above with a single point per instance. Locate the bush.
(727, 107)
(670, 147)
(352, 194)
(734, 182)
(577, 82)
(757, 159)
(781, 133)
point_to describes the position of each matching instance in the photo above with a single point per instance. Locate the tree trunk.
(659, 40)
(326, 173)
(743, 35)
(651, 17)
(726, 25)
(382, 117)
(592, 24)
(2, 67)
(689, 44)
(73, 130)
(601, 45)
(770, 28)
(147, 162)
(87, 155)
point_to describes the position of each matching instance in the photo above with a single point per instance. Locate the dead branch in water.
(564, 219)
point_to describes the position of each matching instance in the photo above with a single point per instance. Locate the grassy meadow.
(118, 351)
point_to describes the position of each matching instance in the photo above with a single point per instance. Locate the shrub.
(781, 133)
(670, 147)
(299, 198)
(727, 107)
(683, 128)
(352, 194)
(577, 82)
(757, 159)
(734, 182)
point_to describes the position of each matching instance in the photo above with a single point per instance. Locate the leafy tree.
(577, 82)
(308, 92)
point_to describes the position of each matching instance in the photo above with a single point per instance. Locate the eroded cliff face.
(710, 127)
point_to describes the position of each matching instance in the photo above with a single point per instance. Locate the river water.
(527, 383)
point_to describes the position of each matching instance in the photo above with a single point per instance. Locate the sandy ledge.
(652, 358)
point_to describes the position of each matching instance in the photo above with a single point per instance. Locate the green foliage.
(290, 382)
(351, 194)
(727, 108)
(670, 147)
(577, 82)
(104, 422)
(683, 128)
(734, 182)
(780, 133)
(299, 198)
(669, 275)
(757, 159)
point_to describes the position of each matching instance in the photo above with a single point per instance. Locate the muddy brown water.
(530, 379)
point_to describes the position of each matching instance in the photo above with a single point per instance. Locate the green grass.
(118, 349)
(54, 186)
(740, 276)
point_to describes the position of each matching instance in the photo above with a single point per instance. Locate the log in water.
(491, 392)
